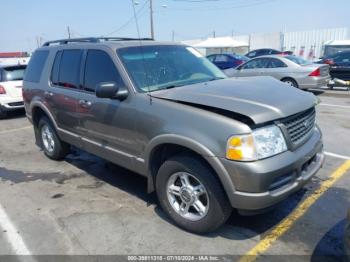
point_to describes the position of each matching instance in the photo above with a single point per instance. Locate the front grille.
(300, 125)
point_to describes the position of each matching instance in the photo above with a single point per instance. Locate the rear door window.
(256, 64)
(69, 69)
(275, 63)
(36, 66)
(99, 68)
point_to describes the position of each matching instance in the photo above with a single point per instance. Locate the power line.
(131, 19)
(208, 8)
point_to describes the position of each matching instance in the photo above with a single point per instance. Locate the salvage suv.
(206, 143)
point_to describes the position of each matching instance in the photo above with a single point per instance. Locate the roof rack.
(93, 40)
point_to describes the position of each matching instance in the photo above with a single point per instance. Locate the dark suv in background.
(206, 143)
(339, 65)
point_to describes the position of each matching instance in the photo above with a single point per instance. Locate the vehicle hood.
(262, 99)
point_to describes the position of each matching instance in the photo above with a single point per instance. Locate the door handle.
(48, 94)
(85, 103)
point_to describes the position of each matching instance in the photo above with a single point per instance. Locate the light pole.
(151, 18)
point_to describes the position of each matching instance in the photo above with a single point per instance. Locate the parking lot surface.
(87, 206)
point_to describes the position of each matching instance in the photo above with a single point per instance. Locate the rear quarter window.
(36, 66)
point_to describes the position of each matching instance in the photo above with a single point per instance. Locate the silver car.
(290, 69)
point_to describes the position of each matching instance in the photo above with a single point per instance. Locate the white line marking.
(14, 130)
(330, 105)
(12, 235)
(337, 155)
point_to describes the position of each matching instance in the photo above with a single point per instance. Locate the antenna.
(141, 48)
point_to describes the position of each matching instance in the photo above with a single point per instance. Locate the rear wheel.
(53, 147)
(190, 193)
(290, 82)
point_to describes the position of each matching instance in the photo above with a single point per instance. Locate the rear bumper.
(10, 103)
(264, 183)
(314, 82)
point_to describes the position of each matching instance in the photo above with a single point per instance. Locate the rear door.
(106, 125)
(64, 92)
(275, 68)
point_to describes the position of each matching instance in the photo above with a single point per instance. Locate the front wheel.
(191, 194)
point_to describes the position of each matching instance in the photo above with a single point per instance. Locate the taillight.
(317, 72)
(2, 90)
(328, 61)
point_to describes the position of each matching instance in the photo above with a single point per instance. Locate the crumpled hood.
(262, 99)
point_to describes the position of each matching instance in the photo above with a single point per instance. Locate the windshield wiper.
(170, 87)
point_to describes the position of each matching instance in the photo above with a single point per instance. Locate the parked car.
(335, 46)
(225, 61)
(262, 52)
(339, 65)
(347, 238)
(292, 70)
(11, 89)
(203, 141)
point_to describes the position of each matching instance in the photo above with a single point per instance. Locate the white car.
(11, 82)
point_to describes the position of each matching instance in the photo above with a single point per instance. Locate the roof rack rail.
(93, 40)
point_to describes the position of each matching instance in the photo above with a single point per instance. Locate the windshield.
(13, 74)
(159, 67)
(298, 60)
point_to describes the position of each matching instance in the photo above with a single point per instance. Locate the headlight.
(261, 143)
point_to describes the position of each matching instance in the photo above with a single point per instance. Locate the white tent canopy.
(220, 42)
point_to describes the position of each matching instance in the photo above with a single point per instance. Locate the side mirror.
(111, 90)
(106, 90)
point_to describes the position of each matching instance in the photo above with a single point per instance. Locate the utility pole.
(173, 36)
(37, 41)
(151, 18)
(68, 31)
(214, 34)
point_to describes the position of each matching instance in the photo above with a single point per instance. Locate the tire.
(213, 198)
(53, 147)
(290, 82)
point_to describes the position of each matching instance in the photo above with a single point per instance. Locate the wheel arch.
(163, 147)
(38, 110)
(290, 78)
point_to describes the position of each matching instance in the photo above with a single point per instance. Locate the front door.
(255, 67)
(106, 125)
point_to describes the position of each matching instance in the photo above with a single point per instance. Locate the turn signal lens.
(262, 143)
(241, 148)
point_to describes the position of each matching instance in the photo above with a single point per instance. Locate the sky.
(25, 22)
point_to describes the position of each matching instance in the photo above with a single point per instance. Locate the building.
(308, 44)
